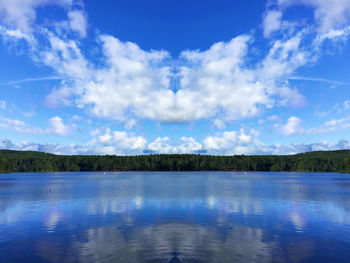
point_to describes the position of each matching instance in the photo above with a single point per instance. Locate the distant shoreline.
(30, 161)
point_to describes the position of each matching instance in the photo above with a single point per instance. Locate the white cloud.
(279, 149)
(3, 105)
(131, 81)
(59, 97)
(321, 114)
(49, 148)
(219, 82)
(185, 145)
(331, 126)
(227, 140)
(95, 132)
(217, 72)
(291, 97)
(56, 126)
(222, 82)
(219, 124)
(332, 35)
(30, 80)
(347, 104)
(15, 34)
(188, 145)
(131, 143)
(130, 124)
(328, 14)
(293, 126)
(160, 145)
(273, 118)
(21, 14)
(228, 143)
(18, 125)
(11, 108)
(123, 140)
(165, 145)
(227, 85)
(285, 56)
(272, 22)
(65, 57)
(77, 22)
(76, 118)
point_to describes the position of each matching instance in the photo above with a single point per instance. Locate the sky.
(133, 77)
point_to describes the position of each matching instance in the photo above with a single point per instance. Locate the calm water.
(175, 217)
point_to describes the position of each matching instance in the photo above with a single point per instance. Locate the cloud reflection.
(182, 217)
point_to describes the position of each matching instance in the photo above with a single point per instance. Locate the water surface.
(174, 217)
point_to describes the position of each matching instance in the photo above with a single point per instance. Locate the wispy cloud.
(294, 126)
(319, 80)
(15, 82)
(19, 126)
(55, 126)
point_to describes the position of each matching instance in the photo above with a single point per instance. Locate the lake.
(175, 217)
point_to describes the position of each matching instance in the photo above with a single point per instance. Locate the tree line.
(27, 161)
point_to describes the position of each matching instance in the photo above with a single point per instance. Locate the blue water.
(174, 217)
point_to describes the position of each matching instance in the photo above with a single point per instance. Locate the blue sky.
(166, 76)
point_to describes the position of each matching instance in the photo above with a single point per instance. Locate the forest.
(29, 161)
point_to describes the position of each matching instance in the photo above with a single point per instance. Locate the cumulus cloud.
(233, 143)
(165, 145)
(220, 83)
(122, 140)
(132, 81)
(138, 82)
(56, 126)
(185, 145)
(161, 145)
(219, 77)
(229, 141)
(227, 85)
(188, 145)
(293, 126)
(129, 80)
